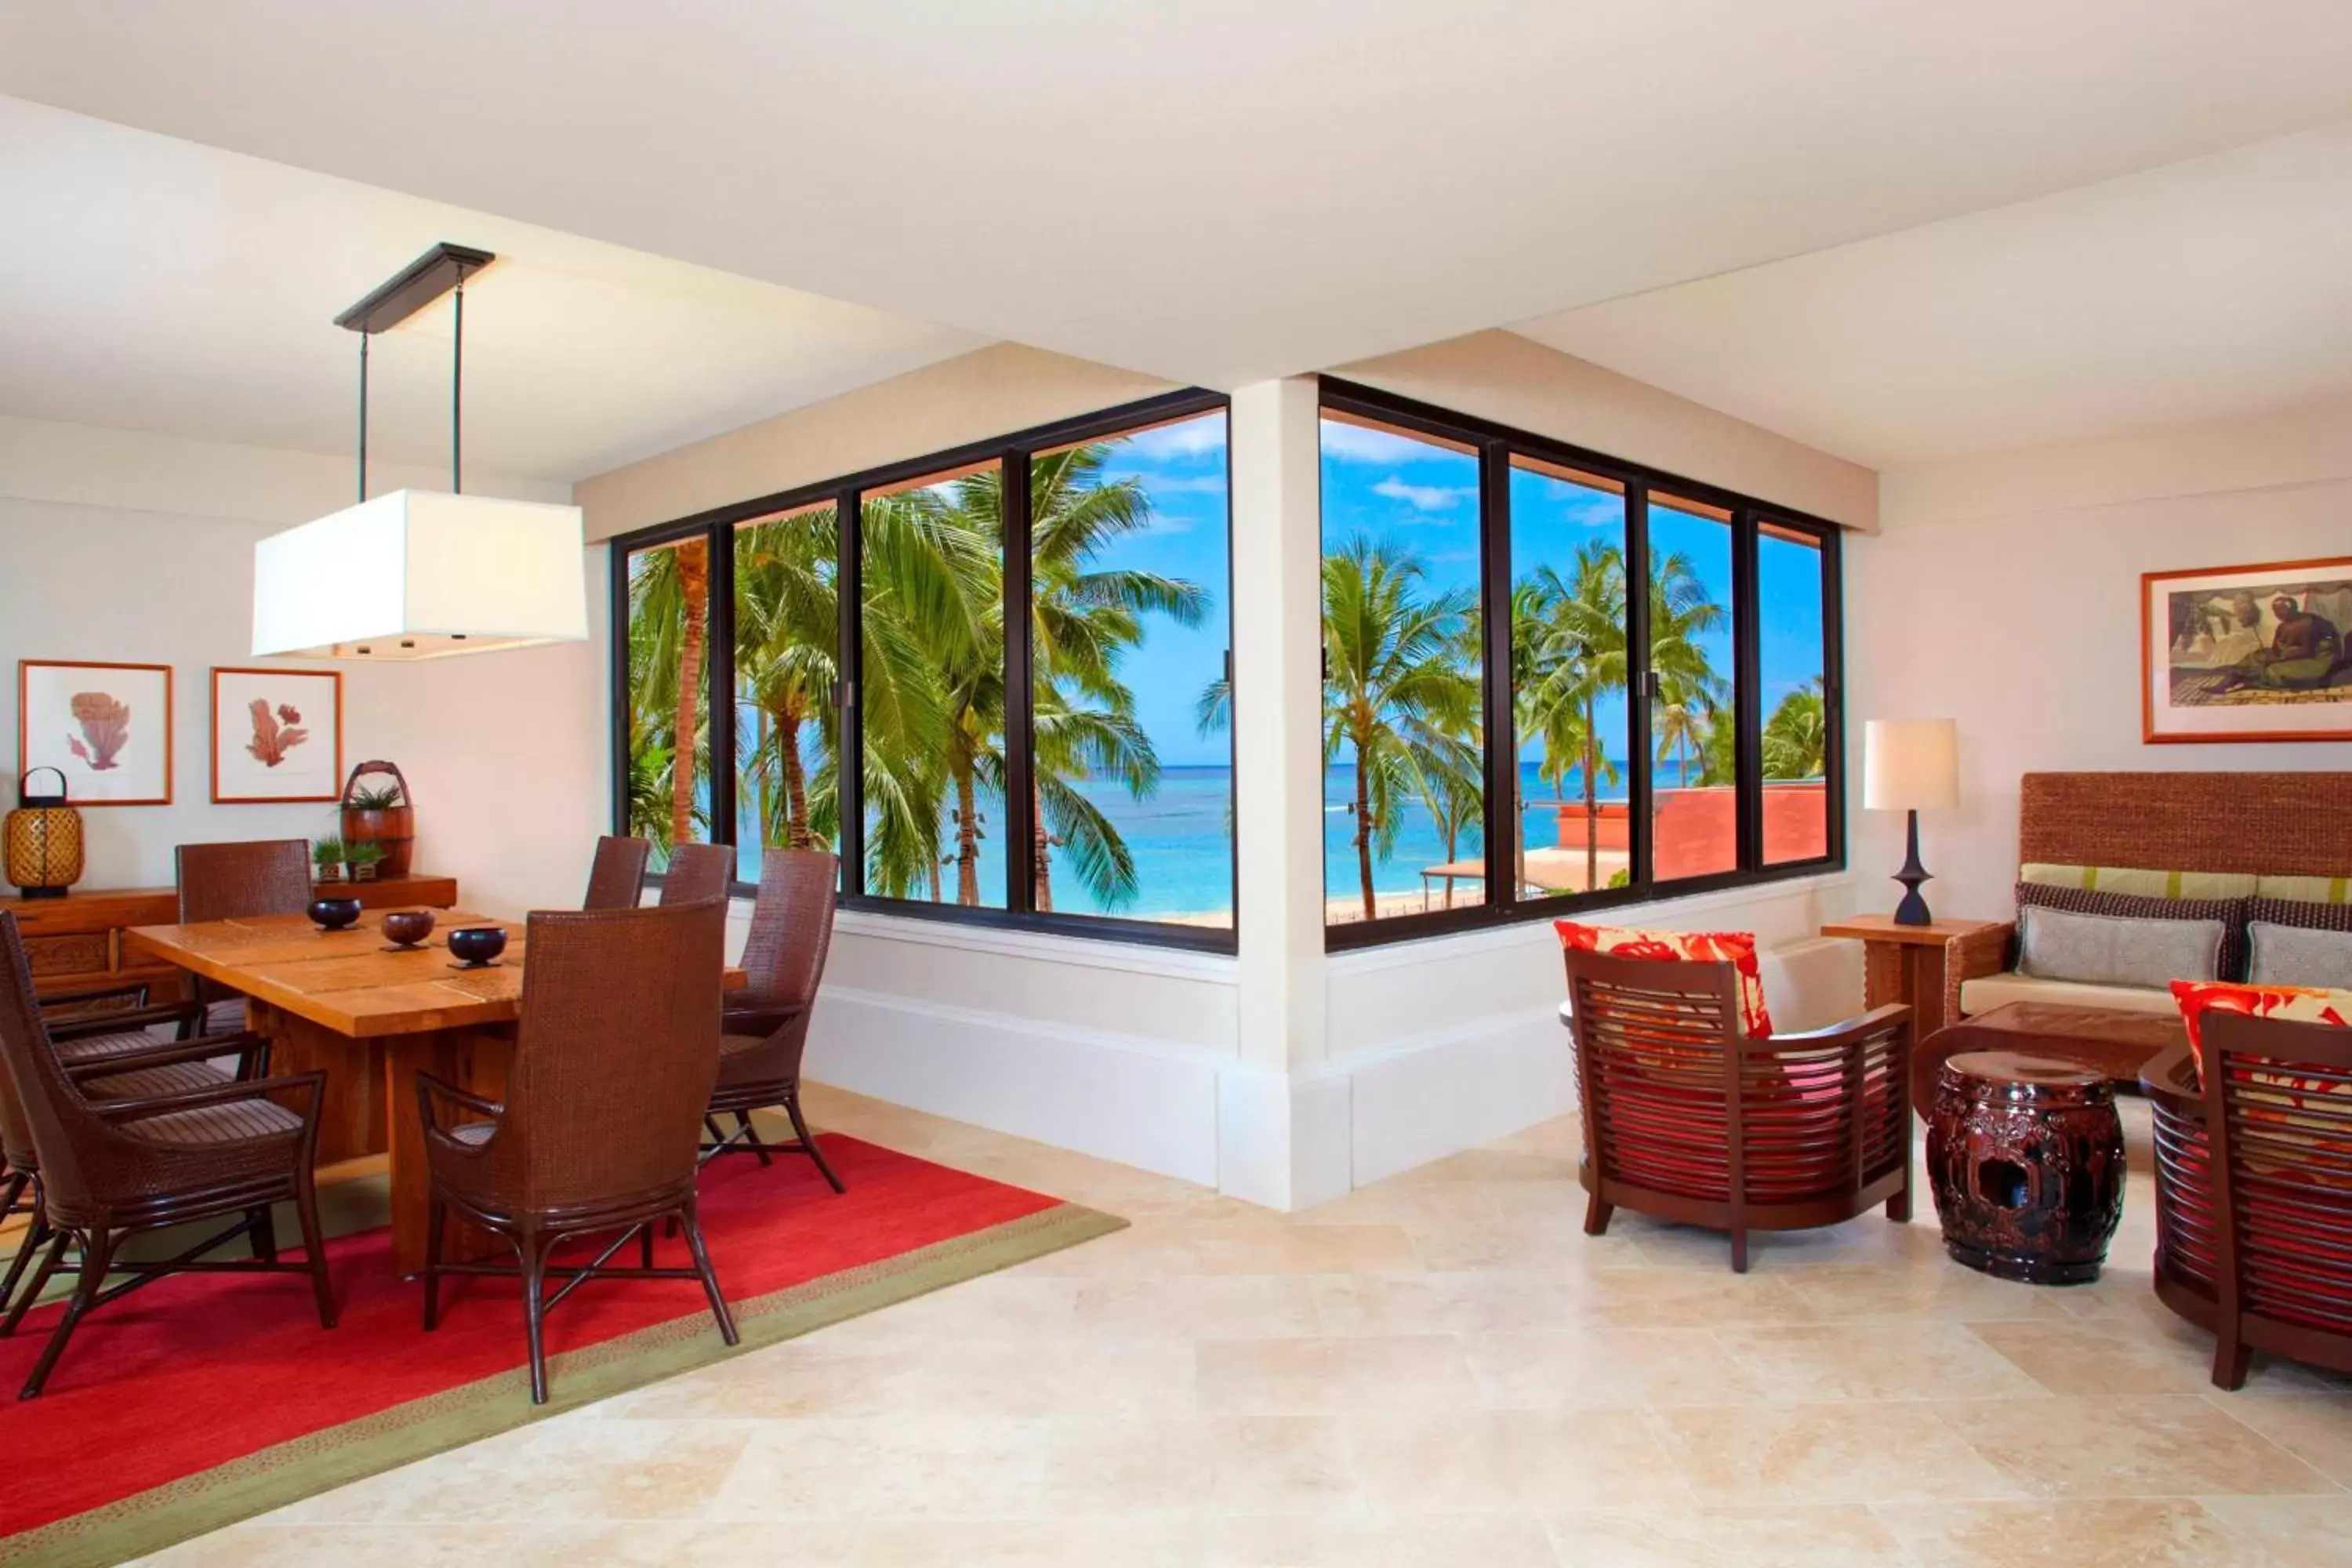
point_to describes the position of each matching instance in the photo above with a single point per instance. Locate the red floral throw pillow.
(1736, 948)
(2303, 1003)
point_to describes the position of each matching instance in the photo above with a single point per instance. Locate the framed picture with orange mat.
(106, 727)
(2247, 653)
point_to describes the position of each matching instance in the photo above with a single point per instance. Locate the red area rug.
(204, 1399)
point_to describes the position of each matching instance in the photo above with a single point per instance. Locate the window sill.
(1536, 930)
(1044, 947)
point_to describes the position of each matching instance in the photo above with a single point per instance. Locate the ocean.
(1184, 862)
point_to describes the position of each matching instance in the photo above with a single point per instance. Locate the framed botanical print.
(107, 727)
(2247, 653)
(278, 736)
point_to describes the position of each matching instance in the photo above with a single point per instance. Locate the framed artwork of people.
(2247, 653)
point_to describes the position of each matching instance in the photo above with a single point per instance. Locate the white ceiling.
(152, 284)
(1210, 190)
(2206, 289)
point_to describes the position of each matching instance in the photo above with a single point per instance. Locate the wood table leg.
(352, 1113)
(472, 1059)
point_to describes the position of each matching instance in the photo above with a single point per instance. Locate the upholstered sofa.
(2200, 835)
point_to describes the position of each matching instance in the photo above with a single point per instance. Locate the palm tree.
(1690, 693)
(1570, 646)
(1796, 738)
(1395, 694)
(787, 625)
(669, 602)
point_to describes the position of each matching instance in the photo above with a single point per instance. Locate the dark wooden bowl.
(333, 914)
(477, 944)
(408, 927)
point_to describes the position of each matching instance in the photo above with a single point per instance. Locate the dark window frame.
(1496, 445)
(845, 493)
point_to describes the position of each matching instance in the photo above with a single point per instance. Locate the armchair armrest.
(1973, 957)
(428, 1089)
(123, 1018)
(61, 1009)
(312, 1084)
(756, 1018)
(251, 1050)
(1861, 1027)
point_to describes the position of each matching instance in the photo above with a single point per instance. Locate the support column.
(1282, 1120)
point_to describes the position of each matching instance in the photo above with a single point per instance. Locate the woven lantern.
(44, 839)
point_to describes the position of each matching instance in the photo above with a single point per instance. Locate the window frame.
(845, 493)
(1496, 445)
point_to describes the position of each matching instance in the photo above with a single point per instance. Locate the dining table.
(371, 1014)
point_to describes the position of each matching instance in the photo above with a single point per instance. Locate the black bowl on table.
(406, 927)
(477, 946)
(333, 914)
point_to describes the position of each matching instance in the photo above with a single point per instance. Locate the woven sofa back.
(2278, 825)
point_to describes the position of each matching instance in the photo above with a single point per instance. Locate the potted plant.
(381, 814)
(362, 859)
(327, 859)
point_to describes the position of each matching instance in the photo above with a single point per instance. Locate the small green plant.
(1621, 877)
(374, 797)
(363, 854)
(327, 852)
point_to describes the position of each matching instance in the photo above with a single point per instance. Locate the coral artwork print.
(274, 734)
(105, 723)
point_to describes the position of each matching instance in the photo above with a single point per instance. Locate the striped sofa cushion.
(2141, 882)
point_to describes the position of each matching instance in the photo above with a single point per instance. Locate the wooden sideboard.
(74, 944)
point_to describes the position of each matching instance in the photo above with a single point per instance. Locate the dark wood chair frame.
(1670, 1092)
(100, 1236)
(2254, 1230)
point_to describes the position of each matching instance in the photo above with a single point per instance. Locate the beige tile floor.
(1438, 1369)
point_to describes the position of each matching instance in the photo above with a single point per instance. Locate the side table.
(1910, 964)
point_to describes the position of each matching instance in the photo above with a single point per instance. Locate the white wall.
(121, 546)
(2005, 592)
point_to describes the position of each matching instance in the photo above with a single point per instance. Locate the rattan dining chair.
(601, 1126)
(765, 1026)
(616, 878)
(696, 872)
(118, 1154)
(231, 881)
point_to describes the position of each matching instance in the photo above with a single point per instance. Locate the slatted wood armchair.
(1689, 1119)
(2254, 1228)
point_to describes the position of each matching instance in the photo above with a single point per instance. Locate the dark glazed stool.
(2025, 1157)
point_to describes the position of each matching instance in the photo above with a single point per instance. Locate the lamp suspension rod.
(363, 340)
(458, 385)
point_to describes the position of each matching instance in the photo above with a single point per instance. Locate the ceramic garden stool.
(2025, 1157)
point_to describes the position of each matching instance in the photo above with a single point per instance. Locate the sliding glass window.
(1679, 737)
(665, 796)
(1403, 692)
(1000, 697)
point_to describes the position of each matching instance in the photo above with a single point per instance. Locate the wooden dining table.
(371, 1016)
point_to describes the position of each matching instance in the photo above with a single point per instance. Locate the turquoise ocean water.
(1183, 857)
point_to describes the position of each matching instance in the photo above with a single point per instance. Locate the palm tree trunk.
(1591, 803)
(1039, 850)
(967, 840)
(1364, 833)
(693, 592)
(796, 806)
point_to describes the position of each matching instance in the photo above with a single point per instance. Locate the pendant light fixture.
(421, 573)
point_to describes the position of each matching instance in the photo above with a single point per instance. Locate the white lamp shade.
(1910, 764)
(422, 574)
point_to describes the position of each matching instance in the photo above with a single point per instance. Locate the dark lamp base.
(41, 892)
(1913, 909)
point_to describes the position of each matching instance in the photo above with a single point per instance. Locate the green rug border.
(304, 1467)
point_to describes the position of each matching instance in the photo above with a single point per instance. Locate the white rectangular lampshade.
(1910, 764)
(422, 574)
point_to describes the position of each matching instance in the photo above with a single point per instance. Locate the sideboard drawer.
(86, 952)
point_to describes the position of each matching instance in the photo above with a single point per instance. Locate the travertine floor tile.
(2148, 1445)
(1855, 1452)
(1819, 1535)
(1440, 1368)
(2084, 1533)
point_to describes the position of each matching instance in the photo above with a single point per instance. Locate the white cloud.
(1362, 444)
(1424, 497)
(1171, 484)
(1187, 438)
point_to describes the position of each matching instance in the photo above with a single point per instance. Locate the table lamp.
(1910, 765)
